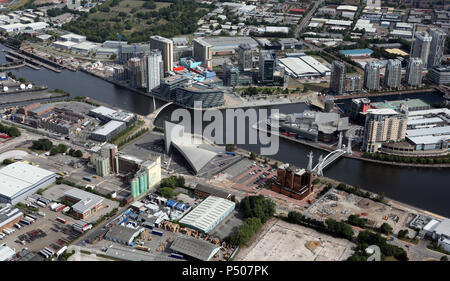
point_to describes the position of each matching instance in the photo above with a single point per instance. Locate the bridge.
(150, 118)
(330, 158)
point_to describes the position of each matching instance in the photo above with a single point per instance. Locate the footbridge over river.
(330, 158)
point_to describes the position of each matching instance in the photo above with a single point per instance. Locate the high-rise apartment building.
(266, 66)
(245, 55)
(155, 69)
(203, 52)
(437, 47)
(337, 79)
(353, 83)
(137, 68)
(383, 125)
(414, 72)
(372, 76)
(166, 47)
(421, 47)
(393, 75)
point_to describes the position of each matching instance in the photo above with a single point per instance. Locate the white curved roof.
(193, 149)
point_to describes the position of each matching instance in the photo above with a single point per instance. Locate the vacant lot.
(282, 241)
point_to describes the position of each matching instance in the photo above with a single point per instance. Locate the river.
(426, 188)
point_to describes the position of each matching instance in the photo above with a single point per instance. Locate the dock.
(36, 64)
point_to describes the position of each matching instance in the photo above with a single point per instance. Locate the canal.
(426, 188)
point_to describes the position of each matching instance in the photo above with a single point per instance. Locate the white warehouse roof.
(207, 213)
(19, 176)
(108, 128)
(87, 200)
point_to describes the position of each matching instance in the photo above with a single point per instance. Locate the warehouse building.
(86, 203)
(193, 247)
(6, 253)
(123, 235)
(19, 180)
(9, 216)
(228, 45)
(107, 114)
(304, 67)
(208, 214)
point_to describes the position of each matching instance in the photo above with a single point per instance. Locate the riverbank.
(352, 156)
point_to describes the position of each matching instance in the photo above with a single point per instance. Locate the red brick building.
(293, 183)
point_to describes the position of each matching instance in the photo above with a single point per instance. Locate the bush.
(7, 161)
(356, 221)
(9, 130)
(167, 192)
(246, 231)
(402, 233)
(385, 228)
(295, 217)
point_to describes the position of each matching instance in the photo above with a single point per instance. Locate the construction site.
(339, 205)
(275, 241)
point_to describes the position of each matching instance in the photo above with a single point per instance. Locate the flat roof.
(356, 52)
(18, 176)
(443, 228)
(444, 130)
(298, 66)
(428, 139)
(8, 214)
(194, 247)
(417, 121)
(382, 111)
(108, 127)
(208, 212)
(212, 190)
(87, 199)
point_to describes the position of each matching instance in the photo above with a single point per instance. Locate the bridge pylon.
(349, 145)
(309, 168)
(339, 146)
(319, 168)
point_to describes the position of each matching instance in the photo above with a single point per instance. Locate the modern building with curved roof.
(193, 148)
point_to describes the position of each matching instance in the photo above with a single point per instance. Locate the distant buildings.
(437, 47)
(372, 76)
(421, 47)
(266, 66)
(155, 69)
(393, 75)
(382, 125)
(166, 47)
(337, 80)
(414, 72)
(203, 52)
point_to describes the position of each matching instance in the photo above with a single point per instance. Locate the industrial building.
(203, 191)
(357, 53)
(123, 235)
(193, 247)
(304, 67)
(292, 182)
(228, 45)
(86, 203)
(9, 216)
(208, 214)
(19, 180)
(107, 114)
(146, 177)
(6, 253)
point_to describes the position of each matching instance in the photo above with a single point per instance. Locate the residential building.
(372, 76)
(437, 47)
(137, 69)
(337, 80)
(421, 47)
(155, 69)
(414, 72)
(393, 75)
(245, 57)
(166, 47)
(353, 83)
(383, 125)
(203, 52)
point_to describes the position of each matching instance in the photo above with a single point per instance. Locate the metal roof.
(8, 214)
(435, 131)
(87, 199)
(193, 247)
(208, 212)
(6, 253)
(443, 228)
(212, 190)
(108, 127)
(122, 233)
(18, 176)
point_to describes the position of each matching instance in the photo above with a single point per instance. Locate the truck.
(156, 232)
(66, 209)
(61, 220)
(40, 203)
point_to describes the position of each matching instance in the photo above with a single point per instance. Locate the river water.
(426, 188)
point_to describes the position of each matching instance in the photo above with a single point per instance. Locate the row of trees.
(405, 159)
(367, 238)
(46, 144)
(168, 185)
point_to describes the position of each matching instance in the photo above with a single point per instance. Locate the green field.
(137, 20)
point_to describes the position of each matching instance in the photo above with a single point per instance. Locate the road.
(307, 18)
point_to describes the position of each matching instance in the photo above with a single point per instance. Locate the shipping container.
(156, 232)
(177, 256)
(40, 204)
(61, 220)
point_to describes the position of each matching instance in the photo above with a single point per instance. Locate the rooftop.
(196, 248)
(108, 127)
(87, 199)
(212, 190)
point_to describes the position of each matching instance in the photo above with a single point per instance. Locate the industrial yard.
(275, 243)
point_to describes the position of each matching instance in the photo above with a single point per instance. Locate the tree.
(356, 221)
(258, 206)
(385, 228)
(7, 161)
(252, 156)
(230, 147)
(402, 233)
(167, 192)
(42, 144)
(444, 258)
(295, 217)
(78, 154)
